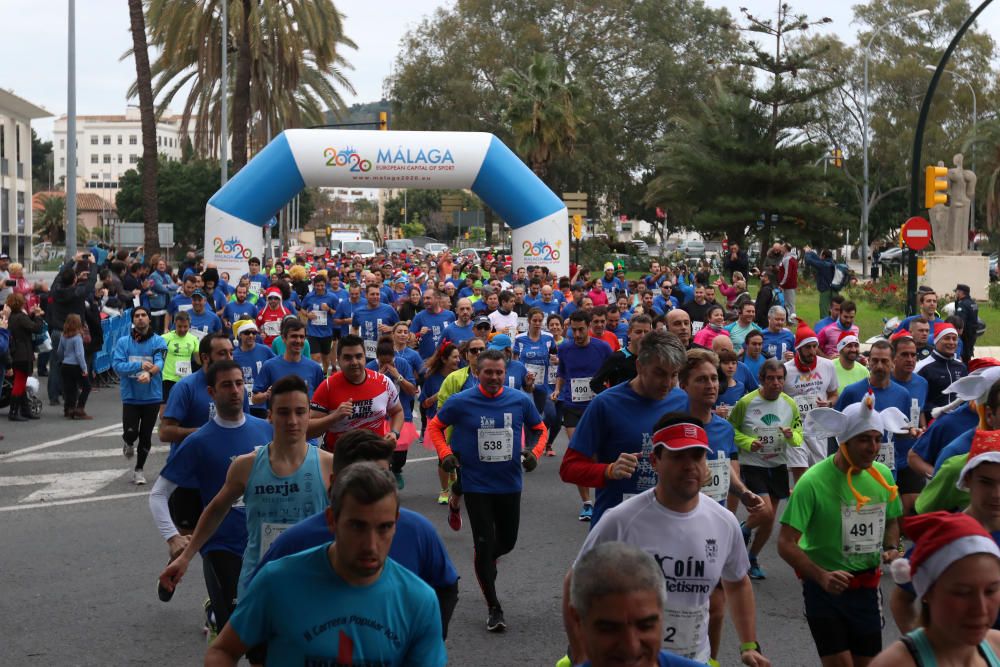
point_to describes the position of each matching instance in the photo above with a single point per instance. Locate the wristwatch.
(395, 434)
(750, 646)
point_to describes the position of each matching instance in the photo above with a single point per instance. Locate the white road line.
(60, 486)
(60, 441)
(79, 454)
(75, 501)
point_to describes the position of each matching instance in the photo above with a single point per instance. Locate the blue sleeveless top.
(274, 503)
(920, 650)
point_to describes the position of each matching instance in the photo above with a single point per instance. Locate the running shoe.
(454, 517)
(495, 622)
(128, 450)
(587, 513)
(747, 533)
(443, 497)
(550, 452)
(209, 630)
(756, 572)
(400, 482)
(138, 478)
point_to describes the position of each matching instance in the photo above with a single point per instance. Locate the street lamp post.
(864, 136)
(975, 117)
(224, 95)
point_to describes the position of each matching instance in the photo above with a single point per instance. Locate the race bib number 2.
(683, 630)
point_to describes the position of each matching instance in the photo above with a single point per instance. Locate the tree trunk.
(150, 166)
(241, 92)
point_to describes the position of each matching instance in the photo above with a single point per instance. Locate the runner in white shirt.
(695, 541)
(811, 381)
(504, 319)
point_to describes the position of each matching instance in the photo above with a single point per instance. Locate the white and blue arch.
(477, 161)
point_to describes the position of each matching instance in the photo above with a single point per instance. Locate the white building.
(108, 146)
(16, 115)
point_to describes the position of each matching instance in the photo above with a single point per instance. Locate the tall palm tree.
(285, 62)
(542, 111)
(147, 115)
(51, 224)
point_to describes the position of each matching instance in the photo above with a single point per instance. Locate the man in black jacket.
(736, 260)
(941, 368)
(620, 366)
(765, 297)
(70, 292)
(967, 310)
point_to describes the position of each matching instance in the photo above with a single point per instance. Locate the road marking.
(79, 454)
(60, 441)
(75, 501)
(60, 486)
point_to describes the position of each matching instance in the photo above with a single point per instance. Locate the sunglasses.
(476, 350)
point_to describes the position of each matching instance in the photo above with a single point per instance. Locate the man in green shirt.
(848, 369)
(766, 422)
(181, 347)
(840, 525)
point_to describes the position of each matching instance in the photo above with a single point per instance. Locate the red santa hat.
(900, 335)
(272, 291)
(845, 339)
(804, 335)
(943, 329)
(941, 539)
(985, 449)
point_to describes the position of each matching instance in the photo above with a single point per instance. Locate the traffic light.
(578, 227)
(838, 158)
(935, 186)
(383, 120)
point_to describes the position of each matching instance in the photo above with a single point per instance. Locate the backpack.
(840, 274)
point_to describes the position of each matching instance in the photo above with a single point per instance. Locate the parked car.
(365, 248)
(640, 246)
(399, 245)
(434, 248)
(892, 258)
(693, 249)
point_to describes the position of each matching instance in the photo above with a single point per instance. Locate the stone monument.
(951, 261)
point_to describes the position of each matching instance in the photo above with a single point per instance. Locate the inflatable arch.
(295, 159)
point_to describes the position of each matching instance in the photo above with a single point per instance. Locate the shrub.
(888, 293)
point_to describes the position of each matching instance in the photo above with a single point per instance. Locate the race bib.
(580, 391)
(198, 333)
(772, 441)
(914, 413)
(537, 371)
(255, 288)
(269, 532)
(320, 320)
(182, 368)
(370, 346)
(139, 359)
(272, 328)
(683, 631)
(805, 404)
(862, 530)
(522, 324)
(718, 479)
(696, 327)
(887, 455)
(495, 444)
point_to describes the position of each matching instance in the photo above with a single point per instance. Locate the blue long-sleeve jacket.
(127, 362)
(163, 288)
(825, 269)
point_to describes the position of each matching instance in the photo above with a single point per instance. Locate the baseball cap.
(4, 255)
(197, 292)
(608, 266)
(961, 286)
(678, 437)
(480, 320)
(500, 342)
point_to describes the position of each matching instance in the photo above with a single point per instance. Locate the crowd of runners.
(291, 395)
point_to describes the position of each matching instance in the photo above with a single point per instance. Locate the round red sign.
(917, 233)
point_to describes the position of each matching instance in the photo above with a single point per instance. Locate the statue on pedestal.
(950, 224)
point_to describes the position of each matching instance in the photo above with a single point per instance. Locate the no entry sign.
(917, 233)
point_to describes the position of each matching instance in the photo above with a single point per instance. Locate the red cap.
(900, 335)
(980, 363)
(804, 335)
(273, 291)
(943, 329)
(677, 437)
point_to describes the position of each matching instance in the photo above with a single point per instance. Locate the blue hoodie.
(128, 358)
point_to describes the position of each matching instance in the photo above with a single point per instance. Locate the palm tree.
(51, 224)
(542, 111)
(151, 236)
(286, 68)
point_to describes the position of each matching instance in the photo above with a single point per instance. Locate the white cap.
(857, 418)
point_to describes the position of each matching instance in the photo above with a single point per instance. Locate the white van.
(399, 245)
(363, 247)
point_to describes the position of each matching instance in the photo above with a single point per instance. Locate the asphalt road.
(79, 556)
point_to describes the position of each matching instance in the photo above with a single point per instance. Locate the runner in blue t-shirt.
(319, 307)
(251, 355)
(240, 309)
(610, 448)
(430, 323)
(395, 367)
(925, 451)
(486, 447)
(346, 309)
(461, 329)
(536, 349)
(904, 361)
(292, 362)
(416, 544)
(373, 320)
(579, 360)
(203, 320)
(204, 457)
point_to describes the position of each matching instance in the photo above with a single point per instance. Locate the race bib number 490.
(580, 390)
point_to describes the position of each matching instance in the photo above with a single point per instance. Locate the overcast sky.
(33, 46)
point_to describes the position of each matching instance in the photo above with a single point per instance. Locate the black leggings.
(494, 518)
(398, 461)
(138, 422)
(76, 387)
(222, 574)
